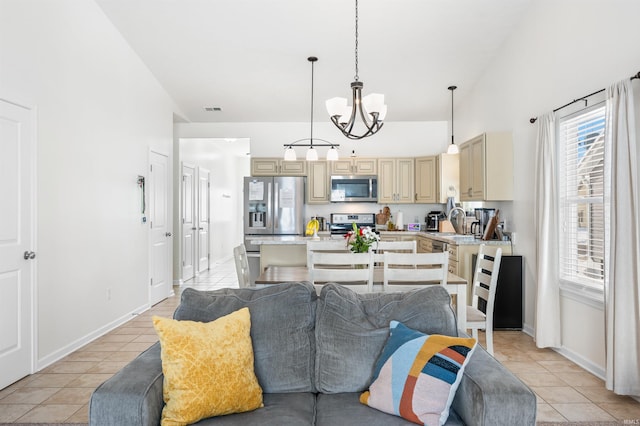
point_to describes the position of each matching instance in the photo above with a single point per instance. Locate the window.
(581, 178)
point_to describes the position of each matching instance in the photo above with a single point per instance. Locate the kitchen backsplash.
(410, 212)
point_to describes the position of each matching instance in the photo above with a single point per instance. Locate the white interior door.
(203, 218)
(160, 228)
(189, 227)
(17, 151)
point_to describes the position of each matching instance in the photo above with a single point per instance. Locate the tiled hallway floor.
(60, 392)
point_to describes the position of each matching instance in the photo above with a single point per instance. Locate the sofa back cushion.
(352, 328)
(282, 329)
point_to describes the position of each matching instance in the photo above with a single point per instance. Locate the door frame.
(180, 217)
(32, 223)
(169, 207)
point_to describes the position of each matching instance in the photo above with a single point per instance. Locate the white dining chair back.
(330, 246)
(353, 270)
(485, 280)
(381, 247)
(242, 266)
(406, 271)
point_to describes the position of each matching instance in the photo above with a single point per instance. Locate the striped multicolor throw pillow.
(417, 375)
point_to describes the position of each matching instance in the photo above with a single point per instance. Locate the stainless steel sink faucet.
(464, 219)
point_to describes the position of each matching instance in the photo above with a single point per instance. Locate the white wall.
(228, 163)
(99, 112)
(396, 139)
(559, 52)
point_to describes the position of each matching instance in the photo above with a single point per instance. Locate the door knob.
(29, 255)
(167, 234)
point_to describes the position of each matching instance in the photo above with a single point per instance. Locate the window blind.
(581, 178)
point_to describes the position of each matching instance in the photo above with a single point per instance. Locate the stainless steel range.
(341, 223)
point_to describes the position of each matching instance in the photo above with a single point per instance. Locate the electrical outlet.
(513, 238)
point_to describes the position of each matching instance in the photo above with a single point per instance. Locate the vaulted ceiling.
(249, 57)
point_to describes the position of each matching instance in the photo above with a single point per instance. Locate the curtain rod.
(533, 119)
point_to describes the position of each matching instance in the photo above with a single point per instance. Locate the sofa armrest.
(489, 394)
(133, 396)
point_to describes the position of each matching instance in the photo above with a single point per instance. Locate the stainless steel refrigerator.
(272, 206)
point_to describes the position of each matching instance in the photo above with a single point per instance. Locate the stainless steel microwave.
(349, 189)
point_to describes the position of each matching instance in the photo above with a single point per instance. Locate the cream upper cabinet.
(426, 180)
(277, 167)
(318, 182)
(354, 166)
(486, 168)
(448, 177)
(396, 180)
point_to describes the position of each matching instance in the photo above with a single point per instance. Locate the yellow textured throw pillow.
(208, 368)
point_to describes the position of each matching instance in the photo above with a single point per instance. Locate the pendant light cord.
(452, 88)
(312, 64)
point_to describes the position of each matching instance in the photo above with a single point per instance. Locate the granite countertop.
(445, 237)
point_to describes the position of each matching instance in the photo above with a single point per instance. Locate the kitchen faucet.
(464, 219)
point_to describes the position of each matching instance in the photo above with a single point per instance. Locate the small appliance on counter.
(433, 219)
(341, 223)
(483, 217)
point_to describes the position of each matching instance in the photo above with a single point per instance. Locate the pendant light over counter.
(312, 154)
(453, 148)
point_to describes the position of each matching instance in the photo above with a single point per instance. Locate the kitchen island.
(292, 250)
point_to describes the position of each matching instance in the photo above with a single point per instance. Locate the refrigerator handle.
(275, 206)
(269, 206)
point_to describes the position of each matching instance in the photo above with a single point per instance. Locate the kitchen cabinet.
(396, 178)
(486, 168)
(354, 166)
(424, 244)
(426, 179)
(437, 178)
(318, 182)
(277, 167)
(448, 177)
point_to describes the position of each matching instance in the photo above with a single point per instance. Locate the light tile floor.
(60, 393)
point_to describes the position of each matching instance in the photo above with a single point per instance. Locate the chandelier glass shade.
(371, 109)
(312, 153)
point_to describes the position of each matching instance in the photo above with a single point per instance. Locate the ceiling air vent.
(212, 109)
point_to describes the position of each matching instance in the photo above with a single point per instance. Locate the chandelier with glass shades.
(312, 154)
(345, 116)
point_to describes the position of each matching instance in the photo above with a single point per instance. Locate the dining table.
(455, 285)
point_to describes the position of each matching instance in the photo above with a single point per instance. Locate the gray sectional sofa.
(314, 355)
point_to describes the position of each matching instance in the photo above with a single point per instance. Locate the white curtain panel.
(622, 264)
(547, 315)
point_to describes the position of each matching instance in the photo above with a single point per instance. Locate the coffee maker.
(483, 217)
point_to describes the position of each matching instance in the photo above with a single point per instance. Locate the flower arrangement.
(360, 239)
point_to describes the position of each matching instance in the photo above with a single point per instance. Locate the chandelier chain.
(356, 76)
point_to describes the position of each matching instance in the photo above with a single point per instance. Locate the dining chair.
(332, 246)
(485, 279)
(242, 266)
(353, 270)
(406, 271)
(381, 247)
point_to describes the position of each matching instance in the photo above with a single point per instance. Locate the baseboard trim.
(77, 344)
(573, 356)
(582, 362)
